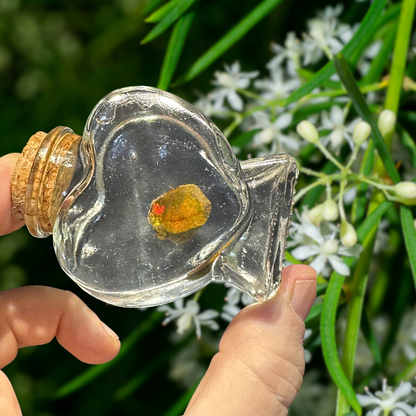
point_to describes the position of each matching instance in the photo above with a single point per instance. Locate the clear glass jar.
(151, 204)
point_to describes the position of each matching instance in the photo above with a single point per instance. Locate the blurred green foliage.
(57, 60)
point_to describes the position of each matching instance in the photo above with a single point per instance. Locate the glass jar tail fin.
(255, 262)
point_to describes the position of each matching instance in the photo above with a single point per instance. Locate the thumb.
(260, 364)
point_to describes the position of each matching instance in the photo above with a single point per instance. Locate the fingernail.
(110, 332)
(303, 296)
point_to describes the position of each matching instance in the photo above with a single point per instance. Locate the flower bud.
(386, 122)
(405, 189)
(308, 131)
(330, 247)
(348, 234)
(330, 210)
(361, 132)
(315, 214)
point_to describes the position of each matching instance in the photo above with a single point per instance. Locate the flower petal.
(339, 266)
(283, 121)
(303, 252)
(236, 102)
(318, 264)
(337, 116)
(207, 315)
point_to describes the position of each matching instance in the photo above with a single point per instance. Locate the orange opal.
(179, 210)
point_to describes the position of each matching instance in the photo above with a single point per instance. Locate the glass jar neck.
(42, 177)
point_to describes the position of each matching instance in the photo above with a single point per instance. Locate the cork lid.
(41, 178)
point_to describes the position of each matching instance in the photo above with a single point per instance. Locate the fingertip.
(84, 335)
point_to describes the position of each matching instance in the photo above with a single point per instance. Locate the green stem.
(329, 156)
(305, 190)
(355, 306)
(399, 59)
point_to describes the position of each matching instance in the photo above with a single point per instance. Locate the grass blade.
(360, 201)
(364, 112)
(380, 61)
(235, 34)
(372, 220)
(370, 338)
(162, 12)
(400, 55)
(177, 11)
(93, 372)
(362, 36)
(174, 50)
(328, 318)
(329, 346)
(152, 5)
(409, 234)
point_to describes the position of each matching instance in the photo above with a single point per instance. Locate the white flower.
(276, 87)
(228, 83)
(188, 314)
(271, 131)
(387, 400)
(292, 52)
(322, 38)
(233, 298)
(326, 249)
(335, 122)
(207, 107)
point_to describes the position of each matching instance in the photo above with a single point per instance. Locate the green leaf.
(370, 338)
(360, 201)
(401, 47)
(409, 234)
(179, 8)
(362, 36)
(328, 318)
(364, 112)
(329, 346)
(379, 63)
(152, 5)
(162, 12)
(372, 220)
(314, 312)
(93, 372)
(231, 37)
(174, 50)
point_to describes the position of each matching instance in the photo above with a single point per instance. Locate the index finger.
(7, 165)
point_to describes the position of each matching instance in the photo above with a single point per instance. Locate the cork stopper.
(42, 177)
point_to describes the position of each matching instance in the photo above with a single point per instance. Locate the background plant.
(333, 65)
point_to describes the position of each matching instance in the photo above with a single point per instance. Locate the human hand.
(258, 370)
(34, 315)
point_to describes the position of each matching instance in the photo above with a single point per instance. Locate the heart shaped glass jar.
(151, 204)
